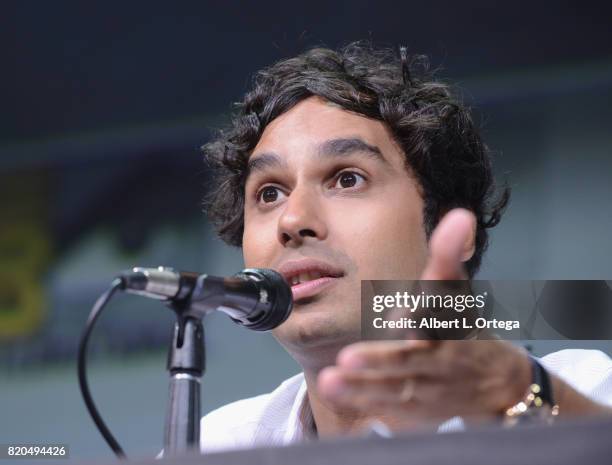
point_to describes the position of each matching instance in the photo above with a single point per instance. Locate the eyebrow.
(331, 148)
(348, 146)
(264, 161)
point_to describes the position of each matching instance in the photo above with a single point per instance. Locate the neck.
(331, 421)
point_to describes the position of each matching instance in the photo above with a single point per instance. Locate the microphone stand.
(186, 358)
(258, 299)
(186, 364)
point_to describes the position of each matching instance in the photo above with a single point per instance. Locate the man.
(345, 166)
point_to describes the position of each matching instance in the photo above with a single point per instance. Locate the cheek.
(258, 241)
(388, 241)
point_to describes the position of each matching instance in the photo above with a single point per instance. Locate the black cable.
(91, 407)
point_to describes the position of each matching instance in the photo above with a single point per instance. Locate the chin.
(315, 331)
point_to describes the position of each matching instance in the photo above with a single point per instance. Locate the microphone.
(258, 299)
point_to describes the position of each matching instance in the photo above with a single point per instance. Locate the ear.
(470, 243)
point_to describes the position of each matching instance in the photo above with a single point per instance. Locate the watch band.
(538, 404)
(541, 378)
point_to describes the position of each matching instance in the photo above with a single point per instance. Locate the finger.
(412, 356)
(448, 246)
(346, 386)
(368, 390)
(410, 398)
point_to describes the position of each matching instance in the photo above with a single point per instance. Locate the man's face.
(329, 202)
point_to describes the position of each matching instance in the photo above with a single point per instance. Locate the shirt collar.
(300, 424)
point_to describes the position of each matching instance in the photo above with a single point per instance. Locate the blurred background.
(105, 106)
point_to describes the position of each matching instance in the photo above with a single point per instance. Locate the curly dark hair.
(443, 148)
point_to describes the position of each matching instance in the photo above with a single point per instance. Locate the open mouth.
(309, 277)
(305, 277)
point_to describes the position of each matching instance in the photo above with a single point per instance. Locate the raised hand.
(408, 383)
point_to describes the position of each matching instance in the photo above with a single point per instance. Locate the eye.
(348, 179)
(269, 194)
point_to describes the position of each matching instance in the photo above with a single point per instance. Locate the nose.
(302, 217)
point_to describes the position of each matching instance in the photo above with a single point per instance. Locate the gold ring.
(408, 390)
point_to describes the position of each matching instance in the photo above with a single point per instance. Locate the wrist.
(521, 377)
(538, 403)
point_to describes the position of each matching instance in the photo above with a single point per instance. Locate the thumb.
(447, 246)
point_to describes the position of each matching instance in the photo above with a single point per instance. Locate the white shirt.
(283, 416)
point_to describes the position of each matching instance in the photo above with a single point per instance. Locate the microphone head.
(279, 298)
